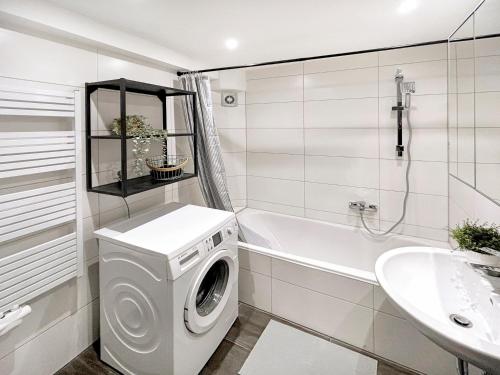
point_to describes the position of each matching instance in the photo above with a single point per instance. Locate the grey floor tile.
(227, 360)
(248, 327)
(87, 363)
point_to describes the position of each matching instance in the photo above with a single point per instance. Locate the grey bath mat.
(284, 350)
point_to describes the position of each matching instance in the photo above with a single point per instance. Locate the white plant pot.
(484, 259)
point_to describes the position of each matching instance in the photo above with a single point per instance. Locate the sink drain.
(460, 320)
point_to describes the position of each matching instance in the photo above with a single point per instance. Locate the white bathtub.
(341, 249)
(321, 276)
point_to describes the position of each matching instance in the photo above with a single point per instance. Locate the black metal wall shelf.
(130, 186)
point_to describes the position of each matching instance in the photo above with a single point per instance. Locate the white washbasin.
(430, 284)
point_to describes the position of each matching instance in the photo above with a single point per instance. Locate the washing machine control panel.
(190, 257)
(216, 239)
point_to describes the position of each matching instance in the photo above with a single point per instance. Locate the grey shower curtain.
(211, 171)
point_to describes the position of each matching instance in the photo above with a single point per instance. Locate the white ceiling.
(274, 29)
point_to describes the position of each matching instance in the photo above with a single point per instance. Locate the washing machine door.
(210, 291)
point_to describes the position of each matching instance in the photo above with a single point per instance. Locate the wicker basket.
(164, 168)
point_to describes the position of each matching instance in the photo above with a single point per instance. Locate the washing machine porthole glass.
(212, 288)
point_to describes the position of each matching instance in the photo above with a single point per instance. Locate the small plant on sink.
(479, 241)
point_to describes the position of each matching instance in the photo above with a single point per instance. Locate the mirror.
(461, 101)
(474, 100)
(487, 98)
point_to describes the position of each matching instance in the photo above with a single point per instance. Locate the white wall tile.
(359, 172)
(352, 220)
(382, 303)
(465, 110)
(280, 141)
(488, 180)
(487, 74)
(232, 140)
(362, 60)
(254, 262)
(487, 46)
(431, 210)
(336, 198)
(465, 75)
(271, 90)
(465, 171)
(279, 70)
(90, 201)
(254, 289)
(355, 83)
(426, 144)
(90, 245)
(397, 340)
(271, 190)
(427, 111)
(334, 317)
(278, 208)
(342, 142)
(275, 115)
(343, 113)
(465, 145)
(425, 177)
(464, 49)
(229, 117)
(417, 231)
(347, 128)
(487, 110)
(413, 54)
(56, 346)
(285, 166)
(487, 150)
(235, 163)
(327, 283)
(430, 77)
(237, 187)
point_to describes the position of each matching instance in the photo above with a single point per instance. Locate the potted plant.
(143, 134)
(480, 242)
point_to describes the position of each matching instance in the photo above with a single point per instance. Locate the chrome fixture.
(461, 320)
(407, 88)
(362, 206)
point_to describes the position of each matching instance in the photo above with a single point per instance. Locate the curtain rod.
(299, 59)
(335, 55)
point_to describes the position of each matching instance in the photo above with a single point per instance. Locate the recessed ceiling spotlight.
(407, 6)
(231, 43)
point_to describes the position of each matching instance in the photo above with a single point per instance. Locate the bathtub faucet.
(362, 206)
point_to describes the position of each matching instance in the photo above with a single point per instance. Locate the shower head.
(399, 74)
(409, 87)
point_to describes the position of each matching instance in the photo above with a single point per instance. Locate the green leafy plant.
(142, 134)
(137, 126)
(473, 236)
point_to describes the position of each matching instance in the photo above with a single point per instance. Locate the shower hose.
(407, 177)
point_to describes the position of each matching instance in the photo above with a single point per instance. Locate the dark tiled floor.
(227, 359)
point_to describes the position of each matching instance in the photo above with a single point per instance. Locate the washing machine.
(168, 289)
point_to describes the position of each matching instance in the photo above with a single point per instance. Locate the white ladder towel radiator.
(30, 272)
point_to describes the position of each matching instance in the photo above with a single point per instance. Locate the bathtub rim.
(350, 272)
